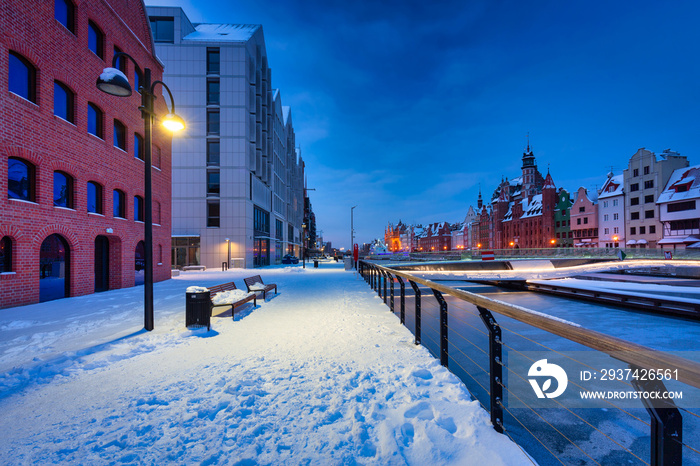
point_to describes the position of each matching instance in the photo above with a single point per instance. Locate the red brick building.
(71, 156)
(522, 210)
(436, 237)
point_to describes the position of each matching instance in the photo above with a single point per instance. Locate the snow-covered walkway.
(322, 373)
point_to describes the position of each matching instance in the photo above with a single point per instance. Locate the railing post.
(380, 276)
(495, 368)
(416, 290)
(391, 296)
(403, 299)
(444, 357)
(385, 275)
(666, 423)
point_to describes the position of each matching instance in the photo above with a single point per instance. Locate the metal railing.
(665, 426)
(533, 253)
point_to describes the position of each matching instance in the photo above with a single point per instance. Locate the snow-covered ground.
(321, 373)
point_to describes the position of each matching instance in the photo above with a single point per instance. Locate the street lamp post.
(228, 264)
(114, 82)
(352, 227)
(303, 245)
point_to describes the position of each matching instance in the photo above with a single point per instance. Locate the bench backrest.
(223, 287)
(253, 280)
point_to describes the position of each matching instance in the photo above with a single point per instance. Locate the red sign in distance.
(355, 252)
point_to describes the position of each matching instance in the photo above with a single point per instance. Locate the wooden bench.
(257, 279)
(216, 289)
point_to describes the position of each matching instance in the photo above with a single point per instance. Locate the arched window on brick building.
(21, 179)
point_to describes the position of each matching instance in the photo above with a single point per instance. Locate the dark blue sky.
(403, 108)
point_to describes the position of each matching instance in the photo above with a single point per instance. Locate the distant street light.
(352, 227)
(228, 242)
(114, 82)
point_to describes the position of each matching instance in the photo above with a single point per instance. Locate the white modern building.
(237, 178)
(645, 178)
(611, 213)
(679, 210)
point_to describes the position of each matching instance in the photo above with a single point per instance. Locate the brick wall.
(33, 133)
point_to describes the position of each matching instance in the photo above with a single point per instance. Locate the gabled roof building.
(679, 209)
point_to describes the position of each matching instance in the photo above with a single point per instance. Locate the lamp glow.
(173, 122)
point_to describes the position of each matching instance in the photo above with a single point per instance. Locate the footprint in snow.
(424, 374)
(422, 410)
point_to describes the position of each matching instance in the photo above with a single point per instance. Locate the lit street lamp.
(114, 82)
(228, 243)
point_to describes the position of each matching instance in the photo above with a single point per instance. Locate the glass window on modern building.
(213, 148)
(95, 121)
(634, 201)
(648, 214)
(213, 214)
(185, 251)
(649, 199)
(648, 184)
(634, 187)
(21, 183)
(96, 40)
(213, 60)
(64, 13)
(213, 126)
(634, 215)
(94, 197)
(62, 189)
(213, 91)
(22, 77)
(163, 28)
(118, 204)
(63, 102)
(213, 183)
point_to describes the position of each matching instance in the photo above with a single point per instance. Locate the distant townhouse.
(562, 220)
(238, 178)
(679, 210)
(611, 212)
(461, 231)
(71, 156)
(584, 219)
(644, 179)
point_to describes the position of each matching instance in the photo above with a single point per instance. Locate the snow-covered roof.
(613, 186)
(683, 184)
(532, 208)
(223, 32)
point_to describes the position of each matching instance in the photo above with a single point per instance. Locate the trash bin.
(315, 264)
(348, 263)
(198, 309)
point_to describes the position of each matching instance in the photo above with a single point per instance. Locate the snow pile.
(257, 286)
(322, 373)
(230, 296)
(196, 289)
